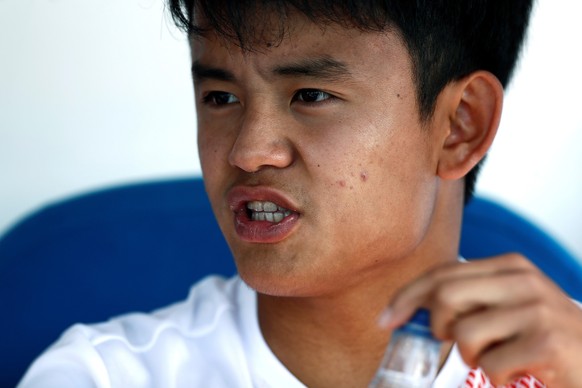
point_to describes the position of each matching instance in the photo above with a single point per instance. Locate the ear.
(474, 104)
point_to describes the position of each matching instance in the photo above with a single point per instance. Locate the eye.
(219, 98)
(311, 96)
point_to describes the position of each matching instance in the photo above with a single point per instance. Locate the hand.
(504, 314)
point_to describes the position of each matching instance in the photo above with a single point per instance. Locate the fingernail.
(385, 318)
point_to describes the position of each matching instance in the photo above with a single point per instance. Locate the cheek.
(212, 150)
(394, 215)
(408, 194)
(387, 194)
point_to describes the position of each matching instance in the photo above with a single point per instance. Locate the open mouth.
(262, 214)
(266, 211)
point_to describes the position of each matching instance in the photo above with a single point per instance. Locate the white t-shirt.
(212, 339)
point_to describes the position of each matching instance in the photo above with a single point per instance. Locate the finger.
(417, 293)
(513, 359)
(481, 332)
(459, 298)
(546, 346)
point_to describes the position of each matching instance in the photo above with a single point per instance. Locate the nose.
(261, 142)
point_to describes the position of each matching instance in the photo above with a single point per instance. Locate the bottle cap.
(419, 324)
(421, 317)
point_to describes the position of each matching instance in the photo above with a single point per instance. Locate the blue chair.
(139, 247)
(491, 229)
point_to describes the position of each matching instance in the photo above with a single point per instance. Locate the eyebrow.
(201, 72)
(324, 68)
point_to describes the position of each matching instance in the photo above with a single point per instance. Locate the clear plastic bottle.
(412, 357)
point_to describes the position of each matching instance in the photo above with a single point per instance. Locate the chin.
(267, 281)
(286, 270)
(271, 284)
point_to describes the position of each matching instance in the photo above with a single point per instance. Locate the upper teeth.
(267, 211)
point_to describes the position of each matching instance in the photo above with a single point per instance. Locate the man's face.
(317, 166)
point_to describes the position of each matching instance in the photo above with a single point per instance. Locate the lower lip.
(264, 232)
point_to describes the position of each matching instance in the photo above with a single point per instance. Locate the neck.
(320, 341)
(334, 339)
(330, 340)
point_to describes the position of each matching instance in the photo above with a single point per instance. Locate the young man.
(338, 142)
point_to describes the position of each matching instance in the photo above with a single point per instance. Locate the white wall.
(536, 162)
(97, 92)
(92, 93)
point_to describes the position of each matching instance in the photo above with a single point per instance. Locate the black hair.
(446, 39)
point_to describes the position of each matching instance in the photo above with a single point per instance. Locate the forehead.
(303, 40)
(252, 24)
